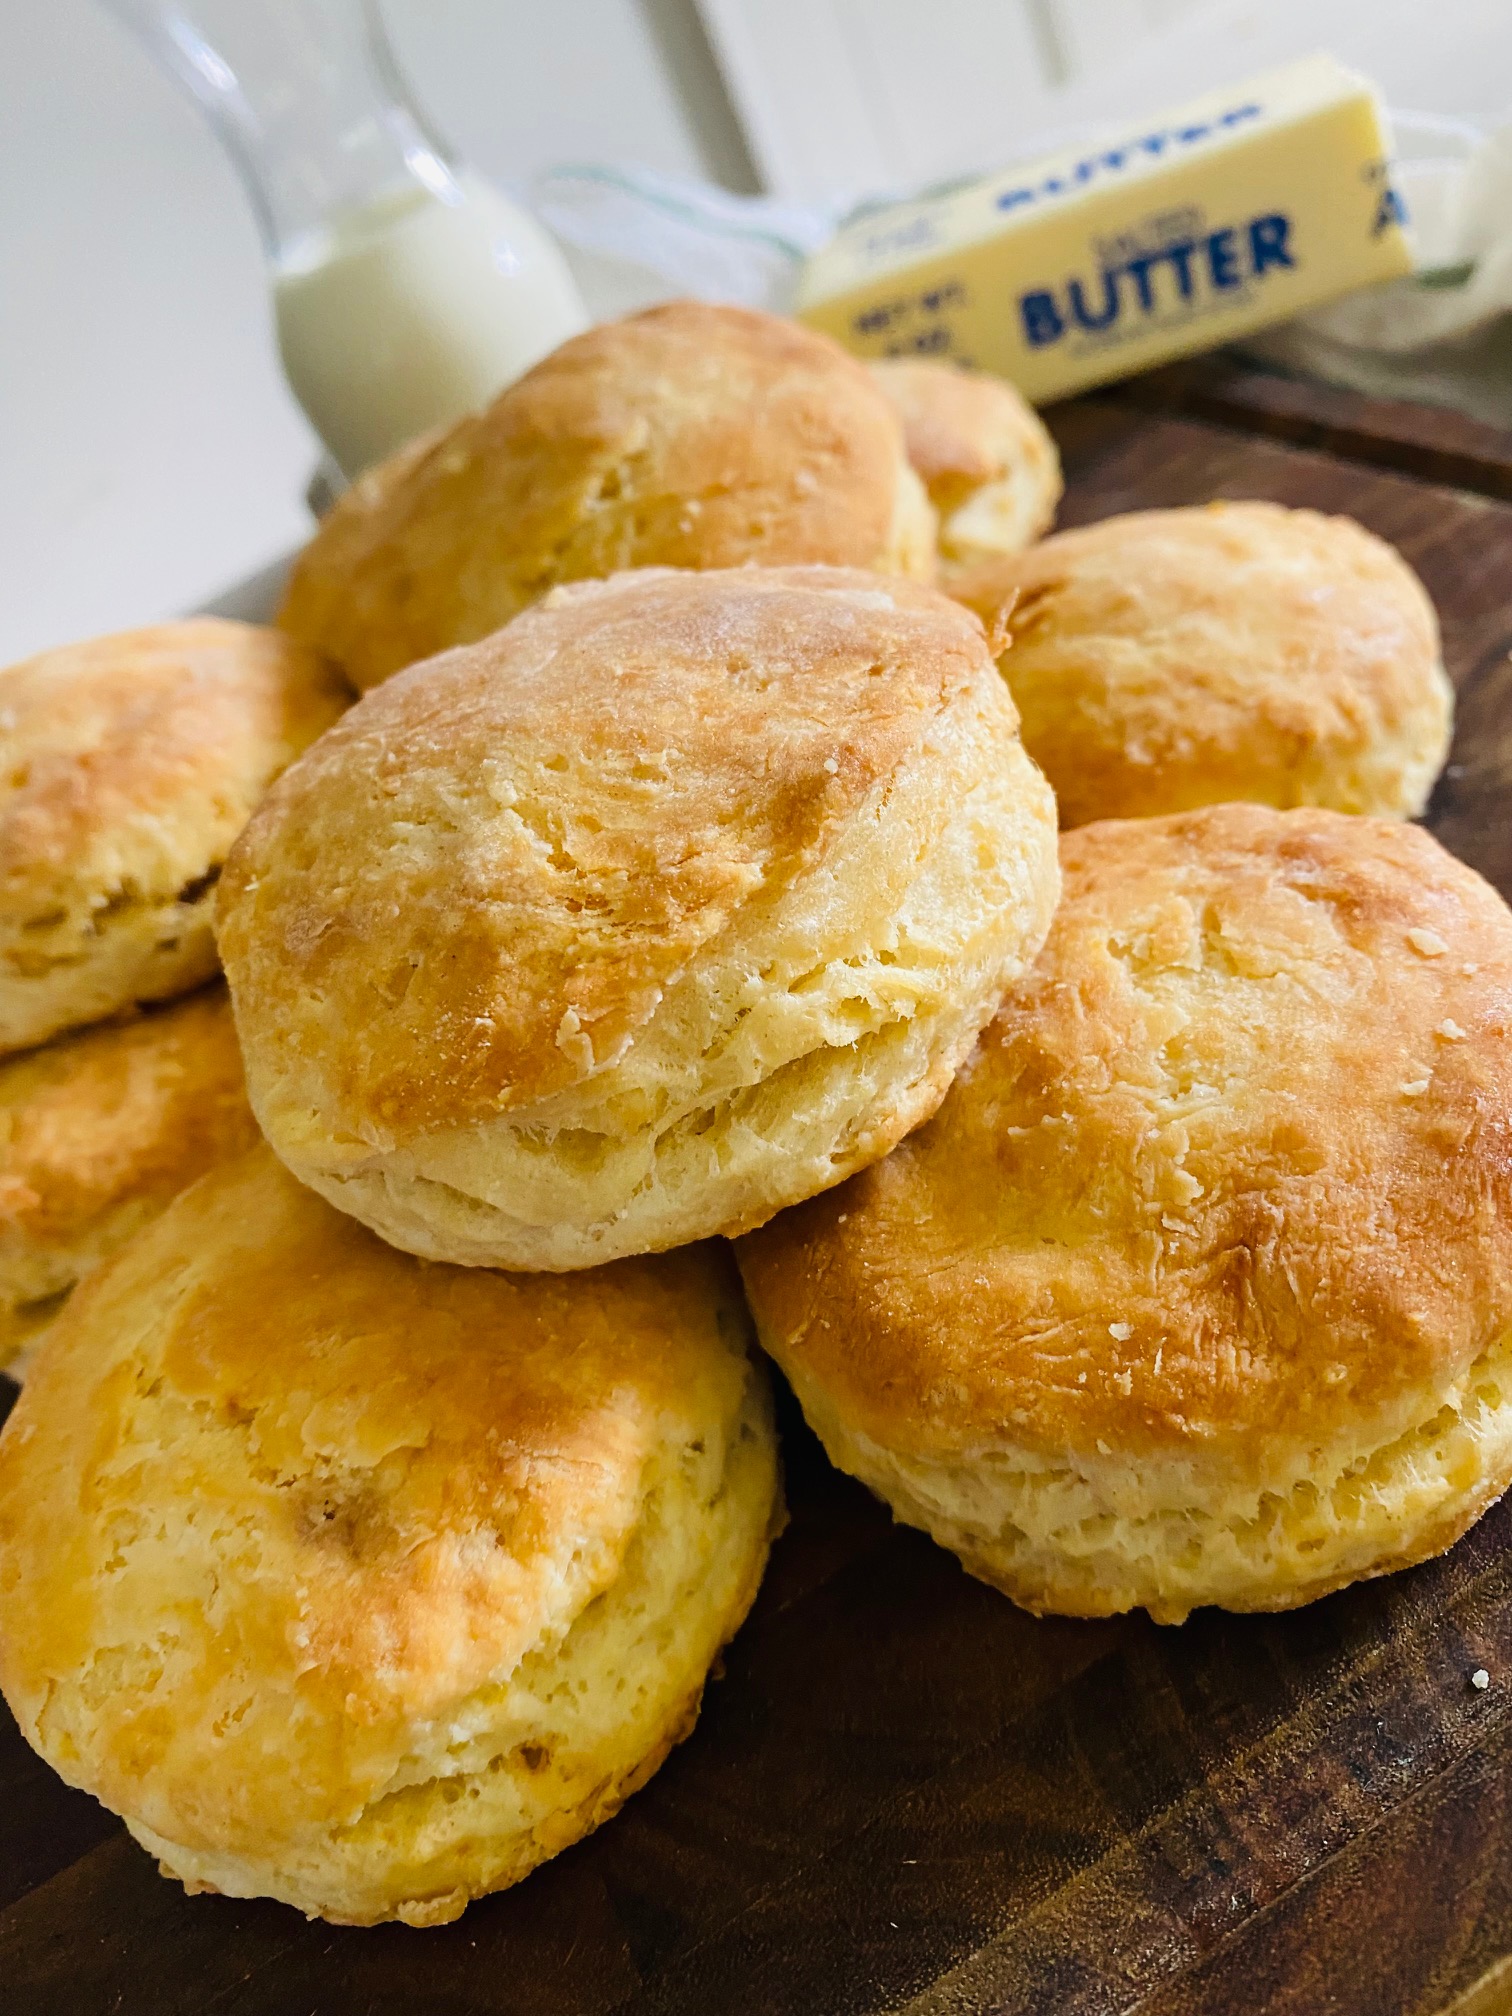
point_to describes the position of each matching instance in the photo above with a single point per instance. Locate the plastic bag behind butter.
(1444, 335)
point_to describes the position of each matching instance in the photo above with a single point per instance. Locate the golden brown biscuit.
(129, 765)
(1198, 1288)
(687, 436)
(367, 1584)
(1170, 659)
(98, 1132)
(673, 902)
(984, 455)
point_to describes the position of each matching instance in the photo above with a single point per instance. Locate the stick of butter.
(1242, 209)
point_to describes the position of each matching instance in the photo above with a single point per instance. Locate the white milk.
(415, 309)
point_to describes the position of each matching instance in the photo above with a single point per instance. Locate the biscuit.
(673, 902)
(364, 1584)
(98, 1132)
(985, 457)
(686, 436)
(1170, 659)
(1198, 1288)
(129, 765)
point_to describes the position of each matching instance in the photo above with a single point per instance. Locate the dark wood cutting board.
(905, 1795)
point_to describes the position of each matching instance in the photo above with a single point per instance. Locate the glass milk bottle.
(405, 290)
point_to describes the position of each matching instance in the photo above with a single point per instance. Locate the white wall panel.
(932, 88)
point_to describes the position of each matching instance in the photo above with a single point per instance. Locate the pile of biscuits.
(751, 830)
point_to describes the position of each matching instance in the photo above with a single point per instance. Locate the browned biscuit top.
(129, 763)
(274, 1489)
(1163, 660)
(123, 1111)
(475, 890)
(1231, 1170)
(686, 436)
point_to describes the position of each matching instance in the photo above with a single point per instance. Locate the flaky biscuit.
(1168, 659)
(98, 1132)
(673, 902)
(987, 460)
(128, 765)
(1198, 1288)
(685, 436)
(367, 1584)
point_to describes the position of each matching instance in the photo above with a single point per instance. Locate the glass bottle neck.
(308, 101)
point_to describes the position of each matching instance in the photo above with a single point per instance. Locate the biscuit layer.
(988, 462)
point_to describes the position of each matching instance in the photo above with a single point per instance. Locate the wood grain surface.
(1433, 442)
(906, 1796)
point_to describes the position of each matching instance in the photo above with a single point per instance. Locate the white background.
(894, 93)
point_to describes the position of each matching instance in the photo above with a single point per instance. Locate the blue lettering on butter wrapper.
(1153, 283)
(1391, 210)
(915, 324)
(1115, 161)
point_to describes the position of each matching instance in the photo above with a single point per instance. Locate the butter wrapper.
(1242, 209)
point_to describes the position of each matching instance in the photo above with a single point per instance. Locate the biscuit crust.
(1169, 659)
(987, 460)
(363, 1583)
(98, 1132)
(128, 765)
(674, 901)
(686, 436)
(1198, 1288)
